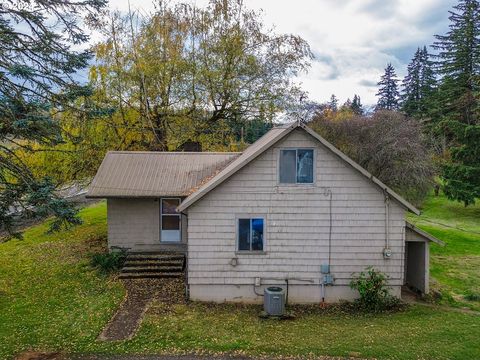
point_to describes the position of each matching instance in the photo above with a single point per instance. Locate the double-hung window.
(170, 220)
(251, 234)
(296, 166)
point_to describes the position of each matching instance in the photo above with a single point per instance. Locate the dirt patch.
(35, 355)
(140, 294)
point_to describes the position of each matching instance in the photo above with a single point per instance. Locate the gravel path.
(140, 293)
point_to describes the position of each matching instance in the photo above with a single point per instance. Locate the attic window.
(296, 166)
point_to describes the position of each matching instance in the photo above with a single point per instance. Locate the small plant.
(109, 262)
(471, 296)
(374, 292)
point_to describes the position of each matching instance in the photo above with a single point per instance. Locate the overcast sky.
(352, 40)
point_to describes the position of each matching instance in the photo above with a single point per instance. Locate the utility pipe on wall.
(387, 252)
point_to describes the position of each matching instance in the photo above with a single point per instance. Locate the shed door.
(170, 220)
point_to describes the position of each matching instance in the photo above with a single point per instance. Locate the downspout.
(387, 252)
(187, 285)
(328, 192)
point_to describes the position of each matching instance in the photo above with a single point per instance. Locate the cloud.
(326, 67)
(403, 54)
(367, 83)
(352, 40)
(380, 8)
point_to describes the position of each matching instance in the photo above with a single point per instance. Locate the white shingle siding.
(297, 224)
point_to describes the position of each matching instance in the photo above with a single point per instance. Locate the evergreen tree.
(333, 103)
(357, 106)
(458, 65)
(418, 85)
(388, 92)
(37, 67)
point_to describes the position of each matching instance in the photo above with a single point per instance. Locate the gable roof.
(268, 140)
(423, 234)
(154, 174)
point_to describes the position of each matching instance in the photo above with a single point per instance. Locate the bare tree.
(389, 145)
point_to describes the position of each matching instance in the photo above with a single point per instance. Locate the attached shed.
(417, 257)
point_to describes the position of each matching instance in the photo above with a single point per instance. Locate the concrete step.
(158, 252)
(150, 275)
(142, 265)
(155, 257)
(130, 263)
(152, 269)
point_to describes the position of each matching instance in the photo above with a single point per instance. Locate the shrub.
(471, 296)
(110, 262)
(374, 292)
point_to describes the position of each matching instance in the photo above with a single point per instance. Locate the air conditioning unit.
(274, 301)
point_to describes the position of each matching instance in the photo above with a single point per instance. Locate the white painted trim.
(296, 159)
(231, 169)
(424, 234)
(179, 215)
(360, 169)
(242, 161)
(250, 216)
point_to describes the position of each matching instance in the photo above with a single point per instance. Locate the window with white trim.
(296, 166)
(170, 220)
(250, 235)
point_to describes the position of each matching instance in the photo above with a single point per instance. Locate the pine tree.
(333, 103)
(418, 85)
(411, 85)
(357, 106)
(458, 65)
(37, 68)
(388, 92)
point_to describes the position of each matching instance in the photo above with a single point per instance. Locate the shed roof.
(268, 140)
(154, 174)
(423, 234)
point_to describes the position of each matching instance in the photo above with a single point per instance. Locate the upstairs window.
(296, 166)
(250, 234)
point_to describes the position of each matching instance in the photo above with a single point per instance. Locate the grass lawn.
(51, 300)
(455, 268)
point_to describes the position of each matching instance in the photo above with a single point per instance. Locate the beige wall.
(135, 224)
(297, 226)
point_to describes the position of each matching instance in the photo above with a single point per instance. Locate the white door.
(170, 220)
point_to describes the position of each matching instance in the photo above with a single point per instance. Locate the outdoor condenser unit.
(274, 301)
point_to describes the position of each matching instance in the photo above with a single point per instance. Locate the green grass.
(52, 300)
(418, 333)
(455, 268)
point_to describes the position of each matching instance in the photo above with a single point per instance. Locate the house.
(290, 210)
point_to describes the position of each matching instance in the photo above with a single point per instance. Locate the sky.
(352, 40)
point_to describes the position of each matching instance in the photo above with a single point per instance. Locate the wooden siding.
(297, 223)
